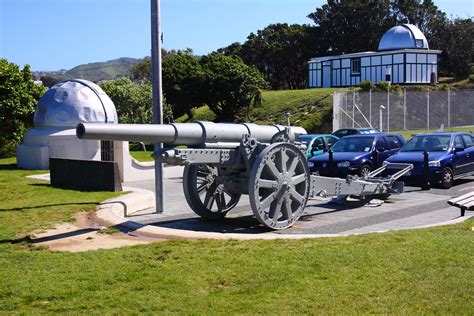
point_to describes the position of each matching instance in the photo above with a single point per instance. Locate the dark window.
(458, 142)
(355, 66)
(468, 140)
(317, 144)
(330, 141)
(419, 43)
(381, 144)
(394, 142)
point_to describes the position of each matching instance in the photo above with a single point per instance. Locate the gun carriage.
(224, 160)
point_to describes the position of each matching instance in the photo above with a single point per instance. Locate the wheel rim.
(364, 171)
(205, 192)
(279, 186)
(447, 177)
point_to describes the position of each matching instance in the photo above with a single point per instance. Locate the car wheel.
(365, 170)
(447, 178)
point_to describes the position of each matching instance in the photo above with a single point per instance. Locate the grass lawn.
(419, 271)
(142, 155)
(408, 134)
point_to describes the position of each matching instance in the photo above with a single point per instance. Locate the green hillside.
(310, 108)
(111, 69)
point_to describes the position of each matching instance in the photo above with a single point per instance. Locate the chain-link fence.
(403, 110)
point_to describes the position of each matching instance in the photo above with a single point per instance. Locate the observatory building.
(403, 57)
(57, 114)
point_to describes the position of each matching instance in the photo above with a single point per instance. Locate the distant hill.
(98, 71)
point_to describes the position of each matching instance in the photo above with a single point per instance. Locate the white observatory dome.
(403, 36)
(71, 102)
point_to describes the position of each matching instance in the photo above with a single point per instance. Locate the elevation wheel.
(279, 185)
(205, 192)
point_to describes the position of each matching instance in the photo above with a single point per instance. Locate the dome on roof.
(403, 36)
(71, 102)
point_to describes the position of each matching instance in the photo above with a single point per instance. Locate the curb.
(111, 213)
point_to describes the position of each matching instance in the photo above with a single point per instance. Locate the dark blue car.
(451, 156)
(357, 154)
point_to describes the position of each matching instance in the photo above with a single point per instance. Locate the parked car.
(451, 156)
(357, 154)
(343, 132)
(317, 143)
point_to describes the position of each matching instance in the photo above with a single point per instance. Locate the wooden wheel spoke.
(298, 197)
(220, 201)
(284, 159)
(273, 169)
(265, 203)
(202, 186)
(275, 210)
(293, 164)
(267, 184)
(298, 179)
(288, 211)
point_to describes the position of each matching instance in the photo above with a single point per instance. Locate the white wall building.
(403, 57)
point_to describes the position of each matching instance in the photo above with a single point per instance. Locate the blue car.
(451, 156)
(316, 144)
(357, 154)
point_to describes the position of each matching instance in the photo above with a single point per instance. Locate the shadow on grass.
(11, 166)
(47, 205)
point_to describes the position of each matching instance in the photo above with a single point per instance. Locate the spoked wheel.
(447, 178)
(279, 185)
(205, 192)
(365, 170)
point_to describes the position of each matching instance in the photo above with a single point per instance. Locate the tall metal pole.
(157, 97)
(428, 110)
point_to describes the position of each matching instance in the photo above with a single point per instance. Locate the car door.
(469, 147)
(317, 146)
(381, 150)
(461, 156)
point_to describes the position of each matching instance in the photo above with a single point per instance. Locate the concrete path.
(415, 208)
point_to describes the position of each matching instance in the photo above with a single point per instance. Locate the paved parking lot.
(414, 208)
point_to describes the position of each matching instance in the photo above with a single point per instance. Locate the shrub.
(366, 85)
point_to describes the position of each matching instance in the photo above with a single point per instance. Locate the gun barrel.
(182, 133)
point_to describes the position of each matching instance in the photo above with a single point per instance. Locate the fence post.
(353, 109)
(388, 110)
(404, 109)
(428, 111)
(370, 106)
(449, 107)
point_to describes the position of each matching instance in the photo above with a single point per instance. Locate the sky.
(61, 34)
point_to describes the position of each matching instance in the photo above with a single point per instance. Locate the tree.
(133, 101)
(230, 85)
(350, 26)
(458, 47)
(142, 70)
(49, 81)
(280, 52)
(182, 82)
(18, 97)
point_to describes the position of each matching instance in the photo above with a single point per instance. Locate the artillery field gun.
(224, 160)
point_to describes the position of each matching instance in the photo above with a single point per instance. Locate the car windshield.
(368, 131)
(353, 144)
(428, 142)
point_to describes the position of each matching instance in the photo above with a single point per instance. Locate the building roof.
(369, 54)
(403, 36)
(71, 102)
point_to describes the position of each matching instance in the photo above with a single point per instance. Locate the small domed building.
(403, 57)
(57, 114)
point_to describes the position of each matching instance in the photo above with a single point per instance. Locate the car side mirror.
(458, 149)
(380, 149)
